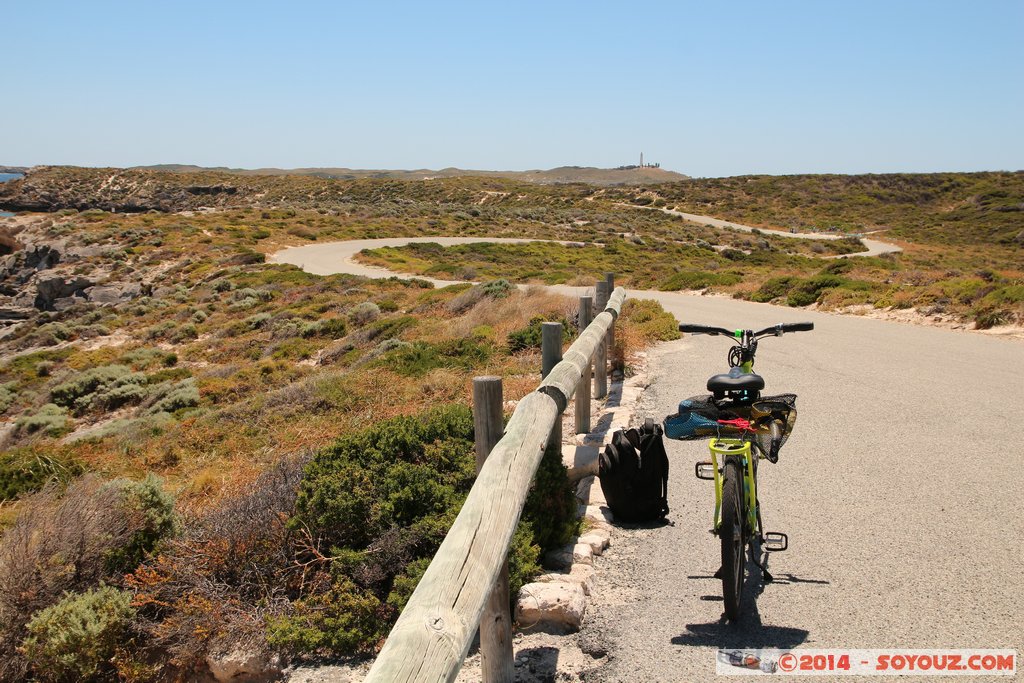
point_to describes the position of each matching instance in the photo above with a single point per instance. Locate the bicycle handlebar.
(704, 329)
(776, 330)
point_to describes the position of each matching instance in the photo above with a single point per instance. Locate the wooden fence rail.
(434, 632)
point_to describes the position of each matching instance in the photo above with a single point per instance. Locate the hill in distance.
(563, 174)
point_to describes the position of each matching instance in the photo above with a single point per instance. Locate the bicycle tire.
(732, 537)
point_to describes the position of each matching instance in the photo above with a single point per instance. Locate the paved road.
(900, 489)
(873, 247)
(328, 258)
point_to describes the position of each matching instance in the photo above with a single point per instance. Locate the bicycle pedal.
(704, 470)
(775, 542)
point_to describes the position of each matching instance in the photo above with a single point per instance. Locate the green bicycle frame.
(726, 447)
(740, 447)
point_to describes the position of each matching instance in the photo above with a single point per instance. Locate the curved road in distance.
(900, 490)
(329, 258)
(874, 247)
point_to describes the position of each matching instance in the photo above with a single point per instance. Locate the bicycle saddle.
(735, 380)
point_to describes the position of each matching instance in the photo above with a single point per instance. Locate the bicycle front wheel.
(731, 535)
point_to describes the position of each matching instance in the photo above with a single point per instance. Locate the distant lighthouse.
(641, 159)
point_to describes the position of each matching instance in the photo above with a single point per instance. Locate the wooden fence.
(435, 630)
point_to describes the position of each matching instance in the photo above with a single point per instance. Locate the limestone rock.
(49, 290)
(581, 574)
(556, 607)
(106, 295)
(599, 513)
(582, 554)
(597, 539)
(243, 665)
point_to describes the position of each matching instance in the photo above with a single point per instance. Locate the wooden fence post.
(601, 357)
(610, 344)
(583, 390)
(497, 662)
(551, 355)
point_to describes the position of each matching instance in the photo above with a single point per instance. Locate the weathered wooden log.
(582, 415)
(497, 661)
(601, 357)
(610, 337)
(566, 376)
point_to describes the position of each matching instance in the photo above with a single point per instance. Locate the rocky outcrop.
(51, 290)
(50, 188)
(111, 294)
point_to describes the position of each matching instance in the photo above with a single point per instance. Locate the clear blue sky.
(705, 88)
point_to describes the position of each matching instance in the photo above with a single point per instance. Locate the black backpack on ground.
(633, 471)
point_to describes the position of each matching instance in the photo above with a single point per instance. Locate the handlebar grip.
(797, 327)
(695, 329)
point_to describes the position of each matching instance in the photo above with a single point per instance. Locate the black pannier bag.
(633, 470)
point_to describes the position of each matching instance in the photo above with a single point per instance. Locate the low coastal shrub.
(8, 395)
(382, 500)
(529, 337)
(50, 419)
(76, 639)
(30, 468)
(693, 279)
(651, 321)
(419, 358)
(106, 388)
(73, 540)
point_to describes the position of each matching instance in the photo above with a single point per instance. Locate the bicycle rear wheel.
(731, 535)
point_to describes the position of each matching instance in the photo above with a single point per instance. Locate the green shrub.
(652, 321)
(170, 398)
(247, 257)
(987, 318)
(151, 512)
(24, 470)
(806, 292)
(775, 288)
(106, 387)
(8, 395)
(382, 499)
(419, 358)
(331, 328)
(530, 337)
(551, 504)
(257, 321)
(694, 279)
(76, 639)
(405, 583)
(141, 359)
(356, 489)
(51, 420)
(497, 289)
(346, 619)
(523, 557)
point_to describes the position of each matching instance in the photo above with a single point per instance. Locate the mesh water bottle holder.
(698, 418)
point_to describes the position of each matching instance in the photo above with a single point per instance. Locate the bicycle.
(744, 427)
